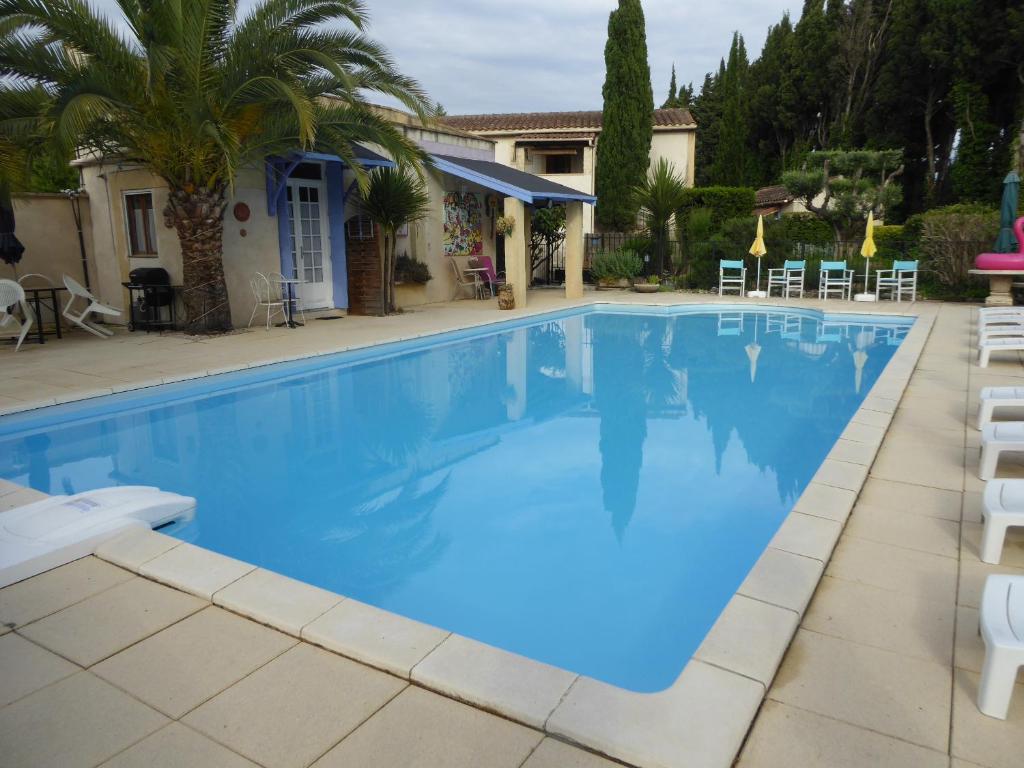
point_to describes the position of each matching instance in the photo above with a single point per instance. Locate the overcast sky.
(541, 55)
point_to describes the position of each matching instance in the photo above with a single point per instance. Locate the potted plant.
(651, 285)
(505, 225)
(615, 269)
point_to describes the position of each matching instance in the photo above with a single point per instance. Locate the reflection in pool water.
(588, 491)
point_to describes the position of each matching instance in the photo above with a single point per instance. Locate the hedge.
(723, 202)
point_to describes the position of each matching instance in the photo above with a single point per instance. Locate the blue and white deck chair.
(732, 276)
(789, 278)
(835, 277)
(900, 281)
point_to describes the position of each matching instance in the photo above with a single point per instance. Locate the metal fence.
(696, 263)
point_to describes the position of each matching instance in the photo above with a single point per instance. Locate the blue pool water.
(588, 489)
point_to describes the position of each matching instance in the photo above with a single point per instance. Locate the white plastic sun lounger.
(1002, 629)
(998, 344)
(1002, 508)
(998, 397)
(995, 439)
(52, 532)
(987, 332)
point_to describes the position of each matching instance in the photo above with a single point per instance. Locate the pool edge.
(702, 719)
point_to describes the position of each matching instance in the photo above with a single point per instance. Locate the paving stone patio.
(99, 666)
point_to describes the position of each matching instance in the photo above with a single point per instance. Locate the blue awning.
(509, 181)
(280, 168)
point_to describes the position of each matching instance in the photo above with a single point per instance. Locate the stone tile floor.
(884, 668)
(99, 666)
(102, 667)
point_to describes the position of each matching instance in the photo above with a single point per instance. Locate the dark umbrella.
(1006, 242)
(10, 247)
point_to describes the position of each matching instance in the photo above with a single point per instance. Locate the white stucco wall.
(243, 255)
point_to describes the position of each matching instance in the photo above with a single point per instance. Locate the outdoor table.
(1000, 281)
(477, 273)
(35, 298)
(289, 283)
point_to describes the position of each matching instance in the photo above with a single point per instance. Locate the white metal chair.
(732, 276)
(789, 278)
(298, 305)
(900, 280)
(12, 295)
(264, 295)
(92, 305)
(1002, 629)
(834, 276)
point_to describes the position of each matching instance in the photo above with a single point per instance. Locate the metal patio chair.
(732, 276)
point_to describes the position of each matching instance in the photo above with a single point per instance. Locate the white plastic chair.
(998, 397)
(990, 344)
(1002, 629)
(12, 295)
(1002, 508)
(732, 276)
(261, 291)
(834, 276)
(995, 439)
(92, 305)
(900, 280)
(789, 278)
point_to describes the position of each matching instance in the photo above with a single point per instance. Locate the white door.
(309, 243)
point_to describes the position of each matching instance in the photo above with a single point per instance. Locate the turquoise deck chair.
(732, 276)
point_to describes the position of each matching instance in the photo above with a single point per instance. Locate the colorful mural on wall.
(463, 234)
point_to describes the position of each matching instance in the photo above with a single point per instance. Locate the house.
(298, 214)
(776, 201)
(561, 146)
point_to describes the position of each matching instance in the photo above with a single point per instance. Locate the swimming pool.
(587, 488)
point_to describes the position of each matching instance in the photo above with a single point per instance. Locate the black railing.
(695, 264)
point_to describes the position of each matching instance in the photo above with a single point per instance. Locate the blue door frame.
(278, 169)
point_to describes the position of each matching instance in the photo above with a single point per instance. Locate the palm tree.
(659, 197)
(392, 198)
(195, 91)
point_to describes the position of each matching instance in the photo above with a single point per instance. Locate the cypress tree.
(673, 96)
(624, 147)
(732, 159)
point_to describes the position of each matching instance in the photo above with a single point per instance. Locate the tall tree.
(624, 147)
(707, 111)
(673, 96)
(195, 91)
(773, 116)
(732, 164)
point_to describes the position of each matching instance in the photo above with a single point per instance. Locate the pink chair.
(490, 277)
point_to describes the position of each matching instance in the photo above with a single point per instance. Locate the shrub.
(410, 270)
(723, 202)
(616, 265)
(950, 241)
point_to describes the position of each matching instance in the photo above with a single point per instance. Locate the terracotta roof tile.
(776, 194)
(541, 121)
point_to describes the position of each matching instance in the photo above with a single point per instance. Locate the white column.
(516, 255)
(574, 250)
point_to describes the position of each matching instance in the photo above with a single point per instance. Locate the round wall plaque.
(241, 212)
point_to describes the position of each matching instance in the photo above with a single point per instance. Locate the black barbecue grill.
(152, 299)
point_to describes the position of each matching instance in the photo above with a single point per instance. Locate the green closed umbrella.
(1006, 242)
